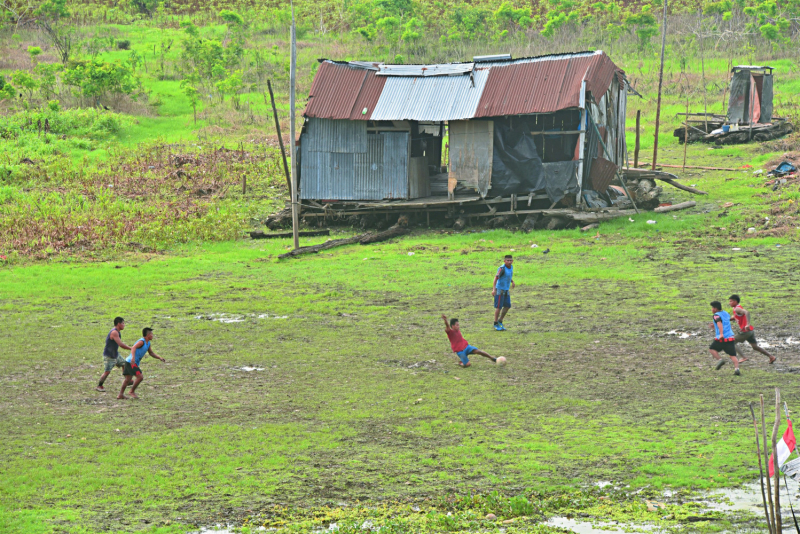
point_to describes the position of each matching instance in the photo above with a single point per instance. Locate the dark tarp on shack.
(737, 103)
(766, 99)
(518, 169)
(516, 166)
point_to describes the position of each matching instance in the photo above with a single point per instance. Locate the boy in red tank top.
(746, 331)
(460, 345)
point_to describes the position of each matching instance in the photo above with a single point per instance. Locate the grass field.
(319, 394)
(357, 410)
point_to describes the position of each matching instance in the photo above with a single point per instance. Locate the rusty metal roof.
(544, 86)
(374, 91)
(341, 91)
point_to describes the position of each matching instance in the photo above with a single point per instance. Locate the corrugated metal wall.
(340, 161)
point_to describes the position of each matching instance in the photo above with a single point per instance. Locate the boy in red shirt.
(746, 331)
(460, 345)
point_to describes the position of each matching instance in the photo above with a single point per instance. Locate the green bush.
(123, 44)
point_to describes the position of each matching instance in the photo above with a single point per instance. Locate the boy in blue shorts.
(503, 283)
(131, 369)
(460, 345)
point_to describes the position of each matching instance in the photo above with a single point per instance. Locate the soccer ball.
(501, 360)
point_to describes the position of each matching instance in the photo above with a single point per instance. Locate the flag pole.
(775, 427)
(785, 482)
(292, 143)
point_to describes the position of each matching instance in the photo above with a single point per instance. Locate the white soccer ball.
(501, 360)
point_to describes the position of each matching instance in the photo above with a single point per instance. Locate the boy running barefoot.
(460, 345)
(723, 338)
(111, 357)
(746, 331)
(131, 369)
(503, 283)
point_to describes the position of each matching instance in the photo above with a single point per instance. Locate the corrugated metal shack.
(550, 129)
(749, 115)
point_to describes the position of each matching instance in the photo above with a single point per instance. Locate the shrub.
(123, 44)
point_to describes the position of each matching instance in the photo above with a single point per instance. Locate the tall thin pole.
(660, 83)
(766, 460)
(292, 144)
(761, 470)
(636, 146)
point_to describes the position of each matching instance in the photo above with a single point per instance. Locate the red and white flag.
(785, 448)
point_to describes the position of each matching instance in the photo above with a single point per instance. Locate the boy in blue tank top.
(131, 369)
(503, 283)
(723, 338)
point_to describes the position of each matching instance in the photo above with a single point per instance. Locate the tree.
(49, 17)
(188, 85)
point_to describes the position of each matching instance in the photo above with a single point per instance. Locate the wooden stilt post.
(660, 83)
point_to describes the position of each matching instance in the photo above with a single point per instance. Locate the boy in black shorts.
(723, 338)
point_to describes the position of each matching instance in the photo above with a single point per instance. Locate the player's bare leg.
(720, 361)
(125, 382)
(756, 348)
(462, 364)
(503, 314)
(496, 313)
(103, 377)
(136, 383)
(484, 354)
(743, 360)
(735, 361)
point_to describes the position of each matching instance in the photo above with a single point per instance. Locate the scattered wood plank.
(258, 234)
(691, 167)
(590, 227)
(676, 207)
(313, 249)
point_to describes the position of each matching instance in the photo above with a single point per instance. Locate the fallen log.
(313, 249)
(680, 186)
(676, 207)
(590, 227)
(394, 231)
(258, 234)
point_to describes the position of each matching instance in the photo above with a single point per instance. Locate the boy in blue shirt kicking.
(503, 283)
(131, 369)
(724, 340)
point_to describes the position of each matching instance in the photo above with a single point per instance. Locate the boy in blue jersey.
(503, 283)
(131, 369)
(724, 339)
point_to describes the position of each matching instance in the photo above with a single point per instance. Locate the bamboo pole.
(636, 146)
(760, 469)
(292, 144)
(775, 427)
(686, 132)
(766, 459)
(660, 84)
(280, 138)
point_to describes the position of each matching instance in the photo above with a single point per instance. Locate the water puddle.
(584, 527)
(682, 335)
(237, 318)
